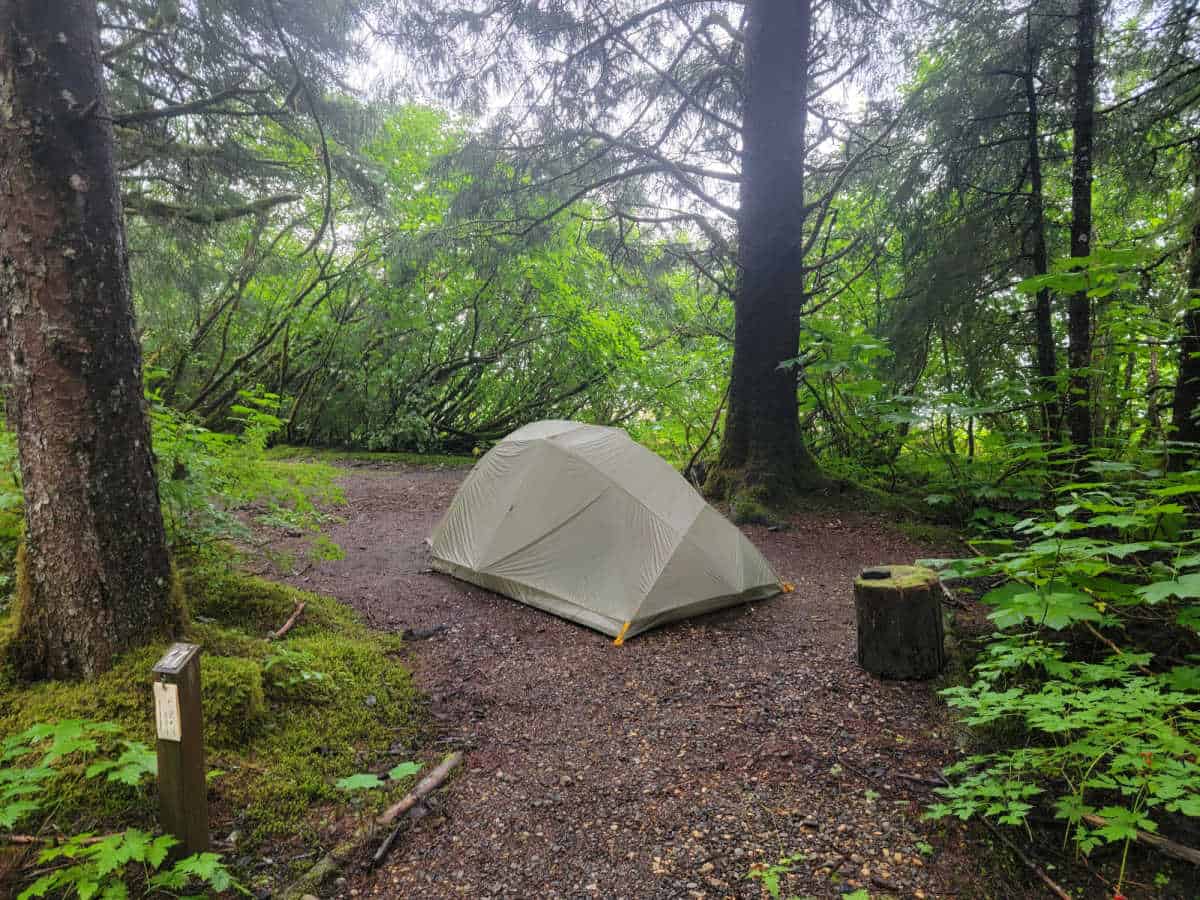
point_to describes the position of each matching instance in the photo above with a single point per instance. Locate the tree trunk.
(95, 577)
(1186, 405)
(1121, 401)
(1079, 313)
(1047, 350)
(762, 450)
(1154, 423)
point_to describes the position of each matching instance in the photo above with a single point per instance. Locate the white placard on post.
(166, 711)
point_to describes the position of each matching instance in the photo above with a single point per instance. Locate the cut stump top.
(895, 578)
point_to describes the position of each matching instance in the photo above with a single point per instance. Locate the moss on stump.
(899, 615)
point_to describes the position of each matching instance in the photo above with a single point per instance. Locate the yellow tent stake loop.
(787, 587)
(621, 637)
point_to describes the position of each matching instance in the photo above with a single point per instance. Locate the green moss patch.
(900, 578)
(746, 511)
(283, 719)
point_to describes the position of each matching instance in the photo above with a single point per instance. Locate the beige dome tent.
(583, 522)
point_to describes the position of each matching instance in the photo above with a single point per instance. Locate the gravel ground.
(668, 767)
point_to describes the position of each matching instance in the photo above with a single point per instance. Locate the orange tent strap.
(620, 639)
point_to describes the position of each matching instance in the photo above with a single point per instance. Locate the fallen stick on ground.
(310, 882)
(51, 839)
(426, 785)
(290, 623)
(419, 634)
(384, 848)
(1055, 887)
(1161, 844)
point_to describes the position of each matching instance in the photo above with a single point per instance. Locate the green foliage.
(35, 764)
(362, 781)
(1089, 726)
(365, 781)
(206, 477)
(770, 875)
(1099, 274)
(281, 744)
(102, 867)
(49, 762)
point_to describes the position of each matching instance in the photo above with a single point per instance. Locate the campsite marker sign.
(182, 788)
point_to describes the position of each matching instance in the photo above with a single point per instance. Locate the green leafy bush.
(103, 867)
(34, 765)
(1091, 686)
(206, 477)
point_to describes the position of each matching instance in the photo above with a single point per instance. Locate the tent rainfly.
(583, 522)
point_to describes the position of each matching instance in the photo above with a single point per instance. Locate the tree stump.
(899, 613)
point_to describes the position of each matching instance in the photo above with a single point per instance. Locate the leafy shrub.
(1093, 676)
(101, 867)
(34, 765)
(205, 477)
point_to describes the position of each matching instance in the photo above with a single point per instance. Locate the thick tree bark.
(762, 450)
(1185, 410)
(1079, 310)
(95, 575)
(1047, 350)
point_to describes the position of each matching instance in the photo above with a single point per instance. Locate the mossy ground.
(283, 719)
(330, 455)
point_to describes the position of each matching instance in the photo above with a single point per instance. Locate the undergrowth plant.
(48, 762)
(205, 477)
(1088, 695)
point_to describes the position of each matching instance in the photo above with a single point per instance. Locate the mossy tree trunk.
(762, 447)
(95, 575)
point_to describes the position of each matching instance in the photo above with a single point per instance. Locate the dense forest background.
(427, 277)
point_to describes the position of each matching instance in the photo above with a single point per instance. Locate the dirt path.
(664, 768)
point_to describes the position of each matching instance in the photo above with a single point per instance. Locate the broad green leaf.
(363, 781)
(404, 770)
(1184, 587)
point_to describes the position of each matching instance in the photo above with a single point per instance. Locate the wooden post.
(182, 787)
(899, 613)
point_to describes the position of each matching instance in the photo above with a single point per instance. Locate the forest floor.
(665, 768)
